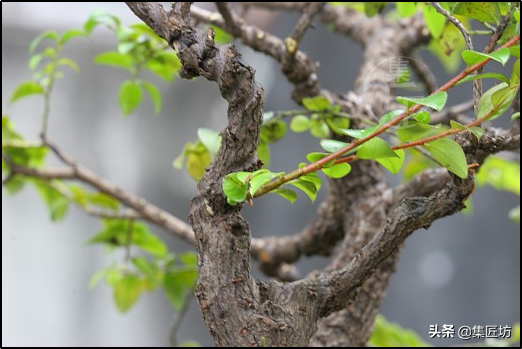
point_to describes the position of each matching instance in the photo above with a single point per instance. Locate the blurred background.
(465, 270)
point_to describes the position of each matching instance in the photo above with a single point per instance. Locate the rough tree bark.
(367, 219)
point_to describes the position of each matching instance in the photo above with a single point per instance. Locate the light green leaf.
(71, 34)
(319, 128)
(502, 101)
(332, 145)
(376, 148)
(319, 103)
(258, 180)
(393, 164)
(155, 95)
(273, 131)
(337, 124)
(190, 259)
(143, 238)
(47, 35)
(473, 57)
(300, 123)
(515, 116)
(70, 63)
(263, 152)
(97, 277)
(234, 189)
(422, 116)
(500, 173)
(373, 8)
(515, 50)
(514, 214)
(406, 9)
(149, 269)
(222, 37)
(434, 21)
(189, 344)
(57, 203)
(337, 171)
(415, 130)
(484, 76)
(450, 154)
(35, 60)
(314, 179)
(15, 184)
(389, 116)
(288, 194)
(175, 290)
(115, 59)
(389, 334)
(26, 89)
(315, 156)
(100, 16)
(477, 131)
(127, 292)
(481, 11)
(130, 96)
(359, 134)
(211, 139)
(307, 187)
(436, 101)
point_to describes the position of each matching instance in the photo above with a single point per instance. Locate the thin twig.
(230, 18)
(499, 30)
(305, 21)
(477, 84)
(177, 319)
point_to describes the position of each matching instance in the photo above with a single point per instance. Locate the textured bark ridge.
(240, 310)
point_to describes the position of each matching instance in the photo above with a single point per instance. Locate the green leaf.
(26, 89)
(314, 179)
(359, 134)
(35, 60)
(504, 95)
(319, 103)
(373, 8)
(515, 116)
(288, 194)
(211, 139)
(101, 17)
(516, 15)
(273, 131)
(376, 148)
(434, 21)
(448, 48)
(115, 59)
(436, 101)
(155, 95)
(337, 124)
(450, 154)
(130, 96)
(332, 145)
(388, 334)
(422, 116)
(103, 200)
(234, 189)
(71, 34)
(163, 70)
(15, 184)
(263, 152)
(300, 123)
(406, 9)
(500, 173)
(257, 181)
(127, 292)
(477, 131)
(415, 130)
(190, 259)
(319, 128)
(389, 116)
(473, 57)
(481, 11)
(514, 214)
(150, 270)
(515, 50)
(47, 35)
(28, 155)
(315, 156)
(70, 63)
(307, 187)
(143, 238)
(57, 203)
(189, 344)
(175, 290)
(222, 37)
(393, 164)
(337, 171)
(97, 277)
(484, 76)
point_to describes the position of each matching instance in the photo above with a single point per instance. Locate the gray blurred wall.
(462, 271)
